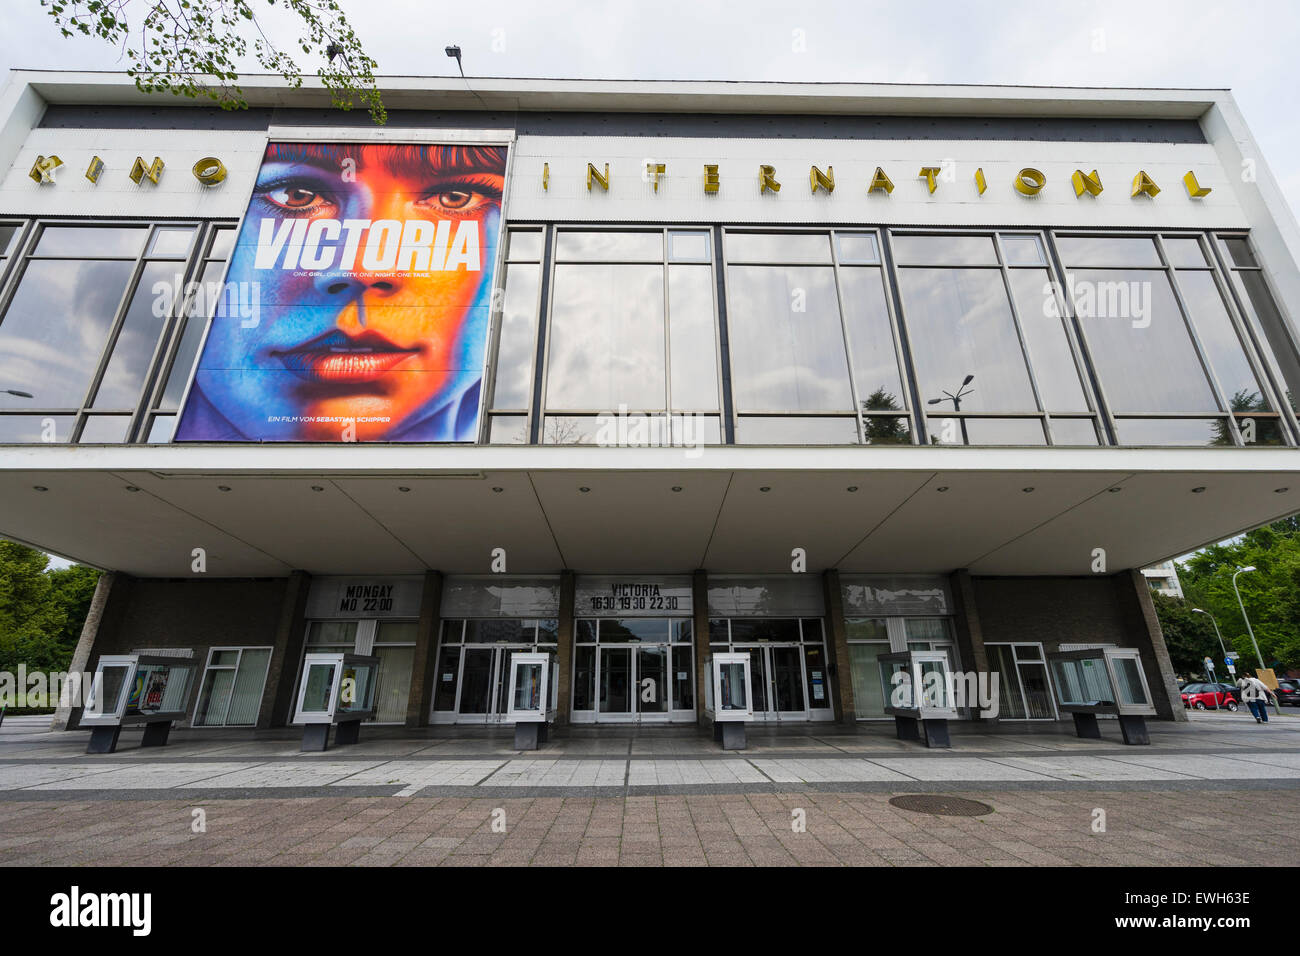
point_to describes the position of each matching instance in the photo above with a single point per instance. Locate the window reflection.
(517, 342)
(1050, 354)
(138, 338)
(607, 338)
(1139, 343)
(959, 323)
(778, 247)
(871, 339)
(1220, 341)
(692, 338)
(787, 344)
(956, 250)
(964, 430)
(609, 246)
(1112, 251)
(1173, 431)
(56, 327)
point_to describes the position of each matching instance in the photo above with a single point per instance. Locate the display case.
(132, 689)
(728, 698)
(1107, 681)
(335, 689)
(918, 689)
(532, 699)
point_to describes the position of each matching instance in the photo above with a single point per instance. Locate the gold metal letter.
(929, 172)
(881, 181)
(825, 180)
(656, 170)
(593, 174)
(1089, 183)
(209, 171)
(710, 179)
(980, 182)
(546, 176)
(767, 179)
(94, 169)
(1030, 182)
(1194, 189)
(44, 167)
(1142, 183)
(140, 170)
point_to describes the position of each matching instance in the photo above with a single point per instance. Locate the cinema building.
(637, 372)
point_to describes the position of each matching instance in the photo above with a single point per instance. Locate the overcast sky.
(1250, 47)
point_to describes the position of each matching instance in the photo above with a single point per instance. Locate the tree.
(1188, 636)
(884, 429)
(41, 611)
(192, 47)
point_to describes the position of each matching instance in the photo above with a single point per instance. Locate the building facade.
(637, 372)
(1163, 577)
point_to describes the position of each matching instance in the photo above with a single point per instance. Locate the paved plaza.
(1219, 790)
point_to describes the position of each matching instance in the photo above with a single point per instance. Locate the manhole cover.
(944, 806)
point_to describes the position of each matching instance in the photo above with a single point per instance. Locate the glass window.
(138, 338)
(607, 338)
(1238, 252)
(104, 429)
(778, 247)
(787, 344)
(1050, 354)
(955, 250)
(959, 323)
(1119, 252)
(749, 631)
(171, 243)
(609, 246)
(199, 309)
(963, 430)
(513, 386)
(223, 241)
(791, 430)
(99, 241)
(22, 429)
(1139, 343)
(692, 338)
(445, 679)
(508, 430)
(1023, 251)
(855, 248)
(1270, 331)
(1184, 252)
(1220, 342)
(1173, 431)
(688, 246)
(162, 429)
(1074, 431)
(871, 340)
(864, 668)
(9, 233)
(651, 630)
(524, 245)
(500, 631)
(55, 329)
(320, 683)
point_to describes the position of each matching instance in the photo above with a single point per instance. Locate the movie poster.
(357, 302)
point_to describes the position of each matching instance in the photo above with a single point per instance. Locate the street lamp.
(1222, 646)
(1250, 630)
(19, 393)
(962, 392)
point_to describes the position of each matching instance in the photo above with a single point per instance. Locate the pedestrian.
(1256, 695)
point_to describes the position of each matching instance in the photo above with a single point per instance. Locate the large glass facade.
(696, 335)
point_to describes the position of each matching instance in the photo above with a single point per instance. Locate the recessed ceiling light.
(219, 488)
(584, 489)
(765, 488)
(403, 488)
(317, 488)
(40, 488)
(132, 488)
(677, 487)
(1197, 491)
(942, 488)
(1114, 491)
(1027, 490)
(1278, 491)
(852, 488)
(498, 490)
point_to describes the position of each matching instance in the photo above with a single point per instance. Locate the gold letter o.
(1030, 182)
(209, 171)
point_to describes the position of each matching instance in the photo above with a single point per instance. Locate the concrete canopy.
(266, 510)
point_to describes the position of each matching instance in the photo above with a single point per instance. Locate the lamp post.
(19, 393)
(1222, 646)
(962, 392)
(1250, 630)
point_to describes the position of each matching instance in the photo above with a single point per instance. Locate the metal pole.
(1222, 646)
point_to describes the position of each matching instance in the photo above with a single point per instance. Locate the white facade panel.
(177, 194)
(956, 201)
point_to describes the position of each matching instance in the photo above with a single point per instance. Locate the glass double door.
(484, 683)
(633, 682)
(777, 683)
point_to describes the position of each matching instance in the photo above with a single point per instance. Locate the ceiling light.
(1197, 491)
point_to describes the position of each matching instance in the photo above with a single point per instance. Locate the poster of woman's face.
(356, 306)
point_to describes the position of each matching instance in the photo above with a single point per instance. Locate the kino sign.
(1027, 182)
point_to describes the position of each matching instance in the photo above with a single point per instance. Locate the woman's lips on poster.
(339, 358)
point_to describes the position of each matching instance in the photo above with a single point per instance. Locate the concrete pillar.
(112, 587)
(286, 653)
(1142, 630)
(425, 665)
(838, 643)
(700, 631)
(564, 649)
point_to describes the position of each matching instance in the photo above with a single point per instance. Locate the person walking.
(1256, 695)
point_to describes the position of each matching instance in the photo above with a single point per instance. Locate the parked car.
(1208, 696)
(1288, 691)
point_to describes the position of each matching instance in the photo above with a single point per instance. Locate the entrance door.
(777, 682)
(633, 683)
(484, 674)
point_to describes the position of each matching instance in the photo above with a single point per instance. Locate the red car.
(1208, 696)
